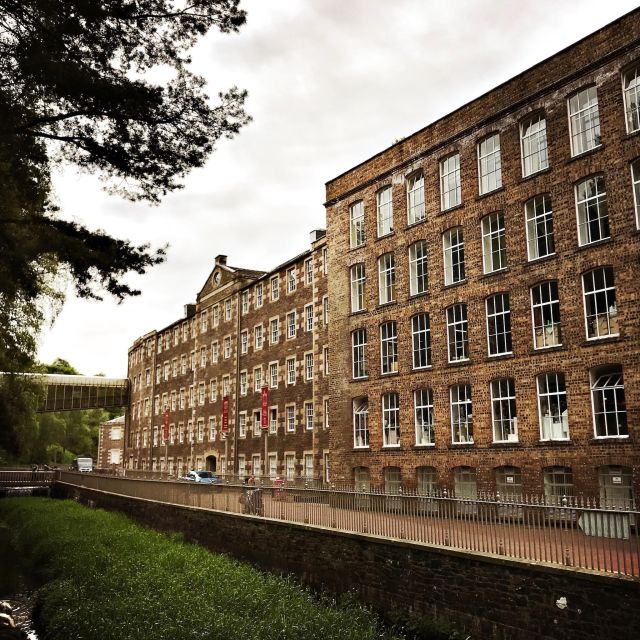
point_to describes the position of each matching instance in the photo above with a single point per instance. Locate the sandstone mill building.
(482, 282)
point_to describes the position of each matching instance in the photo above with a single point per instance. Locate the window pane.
(539, 227)
(415, 198)
(545, 307)
(533, 137)
(457, 332)
(609, 407)
(489, 164)
(421, 338)
(601, 314)
(418, 268)
(503, 410)
(552, 407)
(584, 121)
(423, 410)
(461, 414)
(494, 250)
(499, 324)
(450, 186)
(453, 246)
(384, 211)
(593, 212)
(356, 220)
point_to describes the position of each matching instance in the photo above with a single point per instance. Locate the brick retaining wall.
(489, 597)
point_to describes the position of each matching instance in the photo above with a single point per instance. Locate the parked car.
(206, 477)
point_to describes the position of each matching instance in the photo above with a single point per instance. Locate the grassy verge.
(107, 578)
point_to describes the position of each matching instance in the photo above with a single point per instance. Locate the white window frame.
(292, 280)
(360, 412)
(308, 366)
(539, 225)
(554, 422)
(358, 279)
(359, 354)
(489, 164)
(586, 206)
(244, 341)
(391, 420)
(584, 120)
(415, 198)
(388, 348)
(386, 278)
(450, 183)
(274, 333)
(308, 416)
(243, 383)
(498, 315)
(257, 379)
(533, 145)
(418, 268)
(356, 225)
(259, 295)
(635, 184)
(600, 306)
(275, 288)
(494, 248)
(290, 418)
(258, 337)
(423, 417)
(421, 341)
(291, 326)
(273, 375)
(453, 250)
(308, 317)
(461, 414)
(291, 371)
(457, 333)
(545, 315)
(308, 271)
(245, 302)
(242, 424)
(384, 211)
(504, 415)
(607, 401)
(631, 94)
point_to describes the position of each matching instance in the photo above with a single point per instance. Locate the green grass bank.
(106, 578)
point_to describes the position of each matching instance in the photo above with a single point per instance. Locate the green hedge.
(105, 577)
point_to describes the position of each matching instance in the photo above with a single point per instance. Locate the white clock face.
(216, 277)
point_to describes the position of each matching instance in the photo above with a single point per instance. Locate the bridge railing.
(24, 478)
(560, 533)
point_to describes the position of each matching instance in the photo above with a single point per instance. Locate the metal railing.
(25, 478)
(560, 532)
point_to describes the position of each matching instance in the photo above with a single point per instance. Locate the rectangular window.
(461, 414)
(503, 410)
(609, 407)
(453, 247)
(552, 407)
(203, 357)
(275, 330)
(308, 412)
(242, 466)
(418, 268)
(273, 465)
(257, 423)
(200, 430)
(243, 383)
(360, 423)
(584, 121)
(325, 360)
(308, 317)
(458, 333)
(533, 145)
(242, 424)
(357, 287)
(257, 379)
(291, 324)
(539, 216)
(423, 413)
(356, 224)
(259, 295)
(325, 407)
(308, 465)
(275, 288)
(291, 419)
(494, 249)
(421, 338)
(308, 271)
(499, 324)
(308, 366)
(600, 310)
(244, 341)
(325, 261)
(183, 364)
(635, 180)
(631, 92)
(245, 302)
(384, 209)
(202, 394)
(216, 316)
(325, 310)
(386, 278)
(389, 347)
(415, 198)
(227, 347)
(592, 210)
(358, 350)
(213, 391)
(450, 185)
(225, 386)
(273, 420)
(291, 371)
(203, 321)
(292, 280)
(290, 466)
(227, 309)
(545, 308)
(489, 164)
(182, 398)
(257, 331)
(390, 420)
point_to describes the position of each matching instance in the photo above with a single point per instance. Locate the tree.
(73, 89)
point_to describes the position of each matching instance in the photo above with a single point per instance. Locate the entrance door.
(211, 463)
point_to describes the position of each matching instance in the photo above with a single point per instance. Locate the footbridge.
(70, 393)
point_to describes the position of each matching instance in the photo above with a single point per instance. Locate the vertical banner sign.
(225, 414)
(165, 428)
(264, 417)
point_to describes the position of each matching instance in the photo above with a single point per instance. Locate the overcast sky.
(331, 82)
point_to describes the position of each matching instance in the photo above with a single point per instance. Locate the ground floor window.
(392, 480)
(465, 482)
(362, 479)
(558, 483)
(616, 488)
(426, 480)
(509, 483)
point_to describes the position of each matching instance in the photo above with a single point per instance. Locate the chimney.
(221, 259)
(316, 234)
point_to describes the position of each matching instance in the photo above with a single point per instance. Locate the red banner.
(225, 414)
(165, 428)
(264, 418)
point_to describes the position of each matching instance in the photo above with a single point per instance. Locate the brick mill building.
(111, 443)
(252, 337)
(485, 289)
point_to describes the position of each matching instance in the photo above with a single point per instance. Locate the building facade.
(240, 384)
(485, 289)
(111, 443)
